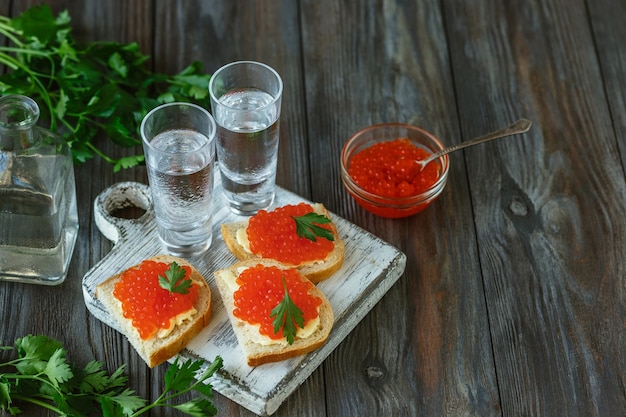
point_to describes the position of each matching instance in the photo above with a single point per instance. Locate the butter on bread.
(259, 353)
(157, 350)
(315, 271)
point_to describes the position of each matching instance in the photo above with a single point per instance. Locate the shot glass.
(245, 101)
(179, 146)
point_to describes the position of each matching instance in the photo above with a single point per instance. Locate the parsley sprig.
(42, 376)
(90, 90)
(307, 226)
(287, 315)
(174, 279)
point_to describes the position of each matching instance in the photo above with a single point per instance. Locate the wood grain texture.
(605, 18)
(608, 30)
(385, 62)
(552, 255)
(512, 301)
(216, 33)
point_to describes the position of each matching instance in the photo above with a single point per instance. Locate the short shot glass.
(245, 101)
(179, 147)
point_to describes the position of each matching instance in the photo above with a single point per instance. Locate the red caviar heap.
(261, 289)
(145, 303)
(388, 169)
(272, 234)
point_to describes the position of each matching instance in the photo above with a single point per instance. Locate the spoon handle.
(520, 126)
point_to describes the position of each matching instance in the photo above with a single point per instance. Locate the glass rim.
(29, 111)
(148, 143)
(275, 97)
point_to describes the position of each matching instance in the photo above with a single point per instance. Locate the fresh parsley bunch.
(84, 90)
(41, 375)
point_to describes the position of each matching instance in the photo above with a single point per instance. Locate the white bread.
(157, 350)
(256, 353)
(315, 271)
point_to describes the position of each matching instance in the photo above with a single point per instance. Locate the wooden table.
(513, 298)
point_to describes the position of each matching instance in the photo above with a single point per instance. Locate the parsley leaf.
(87, 90)
(127, 400)
(94, 378)
(307, 226)
(57, 369)
(177, 378)
(287, 315)
(174, 279)
(41, 375)
(197, 407)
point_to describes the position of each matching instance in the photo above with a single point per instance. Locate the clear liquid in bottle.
(38, 212)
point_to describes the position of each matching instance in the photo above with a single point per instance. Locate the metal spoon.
(520, 126)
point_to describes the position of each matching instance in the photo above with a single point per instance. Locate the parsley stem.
(9, 32)
(99, 152)
(24, 51)
(36, 377)
(16, 64)
(164, 400)
(9, 61)
(36, 401)
(83, 90)
(40, 398)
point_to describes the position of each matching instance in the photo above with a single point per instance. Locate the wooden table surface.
(513, 298)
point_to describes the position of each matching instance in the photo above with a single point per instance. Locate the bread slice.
(256, 353)
(157, 350)
(315, 271)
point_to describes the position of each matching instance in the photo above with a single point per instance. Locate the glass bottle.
(38, 213)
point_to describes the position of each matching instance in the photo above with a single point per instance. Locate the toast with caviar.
(253, 290)
(291, 235)
(160, 280)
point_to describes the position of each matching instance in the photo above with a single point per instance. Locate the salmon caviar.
(261, 289)
(145, 303)
(272, 234)
(388, 169)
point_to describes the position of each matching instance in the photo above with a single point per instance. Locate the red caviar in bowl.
(272, 234)
(388, 169)
(145, 303)
(261, 289)
(379, 172)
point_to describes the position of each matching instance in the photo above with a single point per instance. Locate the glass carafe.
(38, 214)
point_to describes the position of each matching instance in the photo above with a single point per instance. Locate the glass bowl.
(393, 206)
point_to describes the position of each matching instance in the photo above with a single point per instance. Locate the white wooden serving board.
(370, 268)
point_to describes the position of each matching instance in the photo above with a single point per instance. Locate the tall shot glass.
(245, 101)
(179, 146)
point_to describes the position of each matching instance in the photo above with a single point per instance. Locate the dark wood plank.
(512, 302)
(609, 31)
(60, 312)
(549, 210)
(425, 348)
(216, 33)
